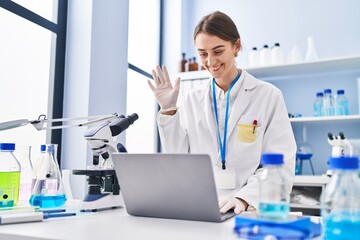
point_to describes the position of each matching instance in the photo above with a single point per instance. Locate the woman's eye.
(202, 54)
(218, 52)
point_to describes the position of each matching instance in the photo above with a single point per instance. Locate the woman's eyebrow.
(219, 46)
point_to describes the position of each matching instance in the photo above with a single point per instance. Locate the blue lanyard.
(223, 143)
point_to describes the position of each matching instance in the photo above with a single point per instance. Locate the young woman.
(234, 118)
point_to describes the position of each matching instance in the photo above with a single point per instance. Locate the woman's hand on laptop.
(227, 203)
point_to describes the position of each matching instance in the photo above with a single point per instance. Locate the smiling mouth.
(216, 68)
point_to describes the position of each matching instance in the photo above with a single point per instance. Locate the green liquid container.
(9, 175)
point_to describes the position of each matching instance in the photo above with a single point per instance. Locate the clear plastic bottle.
(273, 193)
(340, 204)
(277, 55)
(254, 57)
(341, 104)
(319, 104)
(328, 103)
(9, 175)
(265, 56)
(37, 164)
(48, 190)
(311, 54)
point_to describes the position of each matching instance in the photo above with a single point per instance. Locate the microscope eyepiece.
(119, 125)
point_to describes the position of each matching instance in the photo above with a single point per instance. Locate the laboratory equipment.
(328, 103)
(249, 225)
(273, 196)
(103, 186)
(342, 146)
(48, 191)
(277, 55)
(254, 57)
(319, 104)
(23, 154)
(341, 104)
(340, 205)
(265, 56)
(304, 153)
(311, 54)
(9, 175)
(104, 189)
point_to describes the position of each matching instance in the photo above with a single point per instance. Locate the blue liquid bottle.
(340, 204)
(328, 103)
(341, 104)
(48, 190)
(319, 104)
(273, 194)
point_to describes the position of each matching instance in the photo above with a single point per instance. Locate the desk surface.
(117, 224)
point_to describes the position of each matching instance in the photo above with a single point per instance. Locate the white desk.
(117, 224)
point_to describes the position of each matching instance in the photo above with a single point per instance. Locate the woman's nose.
(209, 60)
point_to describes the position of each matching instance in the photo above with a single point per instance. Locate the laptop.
(173, 186)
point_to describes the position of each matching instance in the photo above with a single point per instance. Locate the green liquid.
(9, 188)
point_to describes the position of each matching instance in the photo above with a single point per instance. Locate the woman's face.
(216, 54)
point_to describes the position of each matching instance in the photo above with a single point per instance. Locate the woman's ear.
(237, 47)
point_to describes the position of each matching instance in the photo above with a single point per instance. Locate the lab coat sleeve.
(173, 135)
(278, 138)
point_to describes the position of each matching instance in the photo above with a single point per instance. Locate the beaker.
(23, 154)
(48, 189)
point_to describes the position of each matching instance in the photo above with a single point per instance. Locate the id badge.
(225, 179)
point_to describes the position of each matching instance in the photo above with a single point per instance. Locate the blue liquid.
(47, 201)
(342, 226)
(278, 211)
(9, 203)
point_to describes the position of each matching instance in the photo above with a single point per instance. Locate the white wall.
(95, 75)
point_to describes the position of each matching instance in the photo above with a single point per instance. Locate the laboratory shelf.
(301, 206)
(312, 181)
(286, 71)
(330, 119)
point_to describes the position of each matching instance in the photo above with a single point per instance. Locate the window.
(32, 49)
(143, 52)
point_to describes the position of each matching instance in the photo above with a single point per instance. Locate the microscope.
(342, 146)
(103, 187)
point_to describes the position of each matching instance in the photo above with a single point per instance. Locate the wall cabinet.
(299, 83)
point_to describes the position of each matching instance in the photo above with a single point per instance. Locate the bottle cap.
(254, 48)
(7, 146)
(266, 46)
(340, 91)
(43, 148)
(272, 158)
(319, 94)
(328, 90)
(50, 148)
(343, 162)
(277, 44)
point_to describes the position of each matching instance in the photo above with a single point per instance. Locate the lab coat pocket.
(247, 132)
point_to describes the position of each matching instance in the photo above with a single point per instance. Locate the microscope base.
(101, 202)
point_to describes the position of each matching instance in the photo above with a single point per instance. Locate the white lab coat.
(193, 130)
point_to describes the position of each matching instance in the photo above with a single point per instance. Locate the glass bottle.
(341, 104)
(273, 195)
(48, 190)
(24, 156)
(183, 62)
(195, 65)
(328, 103)
(340, 204)
(9, 175)
(319, 104)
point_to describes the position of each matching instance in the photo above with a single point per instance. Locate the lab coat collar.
(246, 82)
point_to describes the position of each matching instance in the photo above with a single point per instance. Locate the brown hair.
(218, 24)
